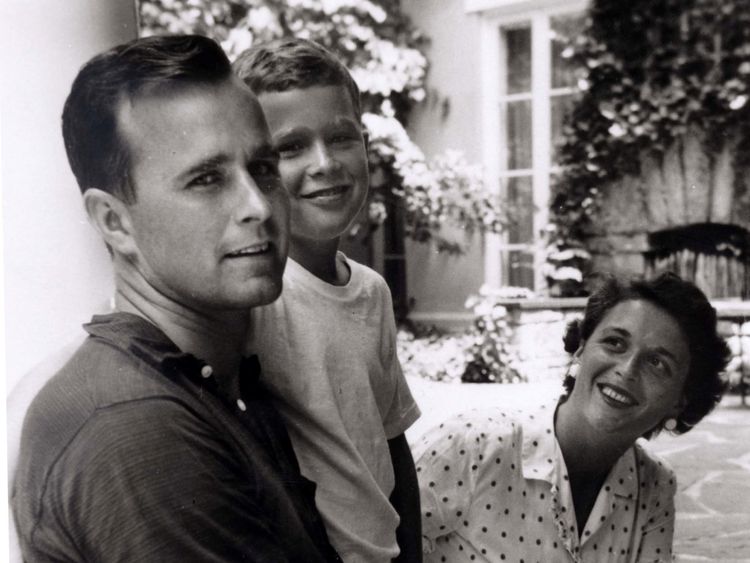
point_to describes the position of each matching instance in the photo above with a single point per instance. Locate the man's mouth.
(252, 250)
(326, 192)
(617, 396)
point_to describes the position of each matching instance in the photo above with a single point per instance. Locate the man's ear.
(111, 218)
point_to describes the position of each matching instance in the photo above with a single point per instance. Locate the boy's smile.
(323, 158)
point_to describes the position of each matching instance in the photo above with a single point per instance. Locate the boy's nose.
(324, 160)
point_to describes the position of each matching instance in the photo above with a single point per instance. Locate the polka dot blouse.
(494, 487)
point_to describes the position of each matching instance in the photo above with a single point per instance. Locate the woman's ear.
(110, 217)
(579, 351)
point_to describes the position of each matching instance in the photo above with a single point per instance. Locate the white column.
(56, 270)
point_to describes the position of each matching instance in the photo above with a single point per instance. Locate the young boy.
(327, 346)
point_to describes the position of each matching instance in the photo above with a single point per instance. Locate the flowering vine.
(382, 49)
(649, 71)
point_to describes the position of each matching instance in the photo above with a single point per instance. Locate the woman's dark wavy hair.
(688, 305)
(97, 153)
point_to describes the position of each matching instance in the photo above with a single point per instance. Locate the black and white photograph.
(372, 281)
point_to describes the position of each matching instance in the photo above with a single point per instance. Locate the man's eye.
(265, 173)
(206, 179)
(264, 168)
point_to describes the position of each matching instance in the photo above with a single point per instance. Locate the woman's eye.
(658, 364)
(616, 344)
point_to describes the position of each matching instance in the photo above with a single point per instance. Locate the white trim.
(445, 316)
(496, 15)
(503, 8)
(491, 62)
(541, 126)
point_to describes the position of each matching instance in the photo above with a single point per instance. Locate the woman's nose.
(628, 366)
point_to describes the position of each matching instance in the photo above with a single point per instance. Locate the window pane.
(518, 59)
(521, 269)
(519, 194)
(562, 28)
(518, 134)
(559, 110)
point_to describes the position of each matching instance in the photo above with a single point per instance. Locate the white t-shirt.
(494, 487)
(328, 354)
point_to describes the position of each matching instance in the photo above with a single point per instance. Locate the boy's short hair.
(290, 63)
(97, 153)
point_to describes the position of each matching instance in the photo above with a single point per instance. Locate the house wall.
(448, 119)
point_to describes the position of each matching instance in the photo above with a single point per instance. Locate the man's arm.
(405, 499)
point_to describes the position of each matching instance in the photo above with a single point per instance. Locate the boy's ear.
(366, 139)
(110, 217)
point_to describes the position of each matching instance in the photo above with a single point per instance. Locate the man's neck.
(319, 258)
(215, 337)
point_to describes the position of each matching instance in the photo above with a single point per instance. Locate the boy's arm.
(405, 499)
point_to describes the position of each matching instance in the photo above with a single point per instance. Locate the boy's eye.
(345, 136)
(289, 148)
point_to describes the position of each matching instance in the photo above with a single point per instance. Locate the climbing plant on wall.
(383, 50)
(649, 70)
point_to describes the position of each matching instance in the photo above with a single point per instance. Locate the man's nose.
(251, 202)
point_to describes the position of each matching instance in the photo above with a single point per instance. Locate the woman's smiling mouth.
(616, 396)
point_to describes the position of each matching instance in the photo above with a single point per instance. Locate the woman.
(569, 481)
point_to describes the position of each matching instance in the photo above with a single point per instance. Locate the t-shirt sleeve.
(150, 481)
(403, 410)
(656, 541)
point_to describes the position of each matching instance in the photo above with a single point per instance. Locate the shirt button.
(241, 404)
(207, 371)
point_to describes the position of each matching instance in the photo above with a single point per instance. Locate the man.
(154, 442)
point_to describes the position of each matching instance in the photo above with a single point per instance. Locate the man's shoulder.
(97, 375)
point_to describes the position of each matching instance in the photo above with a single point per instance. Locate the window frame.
(495, 16)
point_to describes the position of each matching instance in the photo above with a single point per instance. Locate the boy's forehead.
(311, 104)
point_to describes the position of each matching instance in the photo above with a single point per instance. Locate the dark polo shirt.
(132, 452)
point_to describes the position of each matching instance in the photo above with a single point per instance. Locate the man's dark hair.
(290, 63)
(692, 311)
(97, 153)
